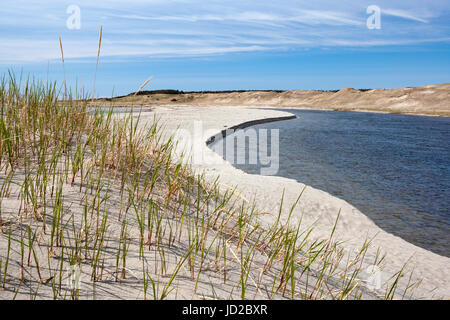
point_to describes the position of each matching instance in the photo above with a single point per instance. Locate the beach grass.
(97, 206)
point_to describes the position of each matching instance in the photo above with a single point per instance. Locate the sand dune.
(426, 100)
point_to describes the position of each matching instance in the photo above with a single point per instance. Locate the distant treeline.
(337, 90)
(171, 91)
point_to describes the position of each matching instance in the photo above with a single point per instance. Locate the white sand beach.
(316, 207)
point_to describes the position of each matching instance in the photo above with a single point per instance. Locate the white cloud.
(371, 43)
(328, 17)
(305, 16)
(403, 14)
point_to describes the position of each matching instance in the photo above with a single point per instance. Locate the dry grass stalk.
(143, 85)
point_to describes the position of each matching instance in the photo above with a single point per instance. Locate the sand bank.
(316, 207)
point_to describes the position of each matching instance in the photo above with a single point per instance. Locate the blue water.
(393, 168)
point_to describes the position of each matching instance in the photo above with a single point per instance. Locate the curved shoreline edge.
(244, 125)
(316, 207)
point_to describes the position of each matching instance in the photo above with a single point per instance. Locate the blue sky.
(224, 45)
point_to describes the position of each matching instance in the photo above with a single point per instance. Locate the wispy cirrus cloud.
(404, 14)
(313, 17)
(187, 27)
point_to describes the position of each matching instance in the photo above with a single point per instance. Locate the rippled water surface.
(394, 168)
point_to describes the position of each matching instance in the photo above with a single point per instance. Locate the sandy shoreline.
(316, 207)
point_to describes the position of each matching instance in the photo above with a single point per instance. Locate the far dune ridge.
(432, 100)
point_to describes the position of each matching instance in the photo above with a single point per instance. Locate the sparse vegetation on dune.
(84, 190)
